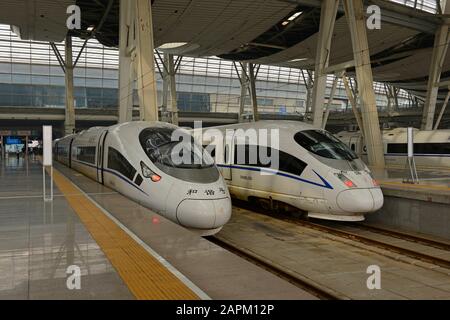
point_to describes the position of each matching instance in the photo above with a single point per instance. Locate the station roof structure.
(254, 31)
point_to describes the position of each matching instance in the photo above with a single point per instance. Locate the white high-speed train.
(135, 159)
(316, 172)
(431, 148)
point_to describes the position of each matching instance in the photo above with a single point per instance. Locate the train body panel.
(431, 148)
(303, 179)
(120, 158)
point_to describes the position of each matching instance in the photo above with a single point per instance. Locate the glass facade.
(30, 76)
(424, 5)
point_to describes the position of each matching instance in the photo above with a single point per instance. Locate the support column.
(441, 114)
(165, 93)
(389, 96)
(145, 66)
(309, 84)
(173, 90)
(354, 11)
(244, 89)
(69, 123)
(309, 93)
(327, 21)
(395, 92)
(330, 100)
(26, 146)
(441, 41)
(2, 153)
(252, 81)
(126, 69)
(353, 103)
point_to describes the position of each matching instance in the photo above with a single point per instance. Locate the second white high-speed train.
(315, 172)
(135, 159)
(431, 148)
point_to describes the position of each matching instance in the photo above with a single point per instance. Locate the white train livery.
(431, 148)
(316, 173)
(135, 159)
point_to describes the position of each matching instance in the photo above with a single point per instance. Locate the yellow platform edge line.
(144, 275)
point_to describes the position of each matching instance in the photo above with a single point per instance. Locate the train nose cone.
(378, 198)
(360, 200)
(201, 214)
(223, 211)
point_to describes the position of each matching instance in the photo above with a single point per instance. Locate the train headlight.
(374, 181)
(349, 183)
(148, 173)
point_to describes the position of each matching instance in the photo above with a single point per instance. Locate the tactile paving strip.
(144, 275)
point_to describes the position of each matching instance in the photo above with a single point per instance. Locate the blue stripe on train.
(325, 184)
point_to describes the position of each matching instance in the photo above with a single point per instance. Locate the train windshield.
(325, 145)
(173, 148)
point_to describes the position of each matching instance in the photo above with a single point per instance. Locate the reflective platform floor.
(39, 240)
(122, 250)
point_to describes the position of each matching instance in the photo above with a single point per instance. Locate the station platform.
(422, 207)
(122, 250)
(433, 186)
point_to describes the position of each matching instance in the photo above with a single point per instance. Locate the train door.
(70, 152)
(101, 156)
(355, 144)
(228, 156)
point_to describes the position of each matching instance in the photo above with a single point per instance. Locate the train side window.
(353, 147)
(86, 154)
(138, 180)
(117, 162)
(291, 164)
(227, 154)
(397, 148)
(250, 155)
(422, 148)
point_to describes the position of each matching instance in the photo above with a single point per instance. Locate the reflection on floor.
(39, 241)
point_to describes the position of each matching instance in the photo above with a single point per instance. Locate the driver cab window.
(324, 144)
(117, 162)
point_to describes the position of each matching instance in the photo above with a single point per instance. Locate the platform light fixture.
(295, 16)
(298, 60)
(90, 28)
(291, 18)
(172, 45)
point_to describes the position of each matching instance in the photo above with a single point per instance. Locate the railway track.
(382, 244)
(336, 230)
(406, 236)
(296, 279)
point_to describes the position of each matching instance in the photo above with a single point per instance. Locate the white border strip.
(199, 292)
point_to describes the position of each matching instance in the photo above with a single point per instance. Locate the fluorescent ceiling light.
(285, 23)
(295, 15)
(298, 60)
(172, 45)
(90, 28)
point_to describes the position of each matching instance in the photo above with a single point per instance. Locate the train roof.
(400, 134)
(271, 124)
